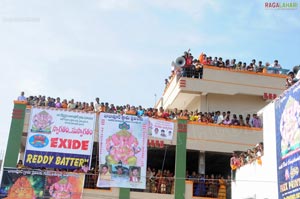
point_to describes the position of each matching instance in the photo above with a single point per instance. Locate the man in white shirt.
(22, 97)
(220, 117)
(254, 65)
(276, 67)
(71, 105)
(276, 64)
(97, 105)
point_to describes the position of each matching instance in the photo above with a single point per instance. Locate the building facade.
(196, 144)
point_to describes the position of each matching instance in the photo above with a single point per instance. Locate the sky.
(121, 51)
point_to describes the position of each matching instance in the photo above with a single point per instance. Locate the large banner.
(287, 113)
(34, 184)
(122, 151)
(161, 129)
(59, 139)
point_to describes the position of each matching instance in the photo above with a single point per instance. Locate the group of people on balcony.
(240, 159)
(207, 117)
(187, 66)
(226, 118)
(159, 181)
(212, 186)
(233, 64)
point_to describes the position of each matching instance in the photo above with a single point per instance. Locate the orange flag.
(201, 57)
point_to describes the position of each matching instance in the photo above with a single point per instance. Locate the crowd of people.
(159, 181)
(240, 159)
(226, 118)
(216, 117)
(187, 66)
(212, 186)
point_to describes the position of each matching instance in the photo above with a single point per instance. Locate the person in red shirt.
(235, 163)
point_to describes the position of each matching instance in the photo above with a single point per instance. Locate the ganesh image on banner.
(290, 127)
(41, 122)
(122, 147)
(16, 184)
(61, 189)
(21, 189)
(64, 185)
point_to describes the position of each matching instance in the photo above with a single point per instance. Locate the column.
(203, 103)
(180, 158)
(201, 163)
(124, 193)
(15, 134)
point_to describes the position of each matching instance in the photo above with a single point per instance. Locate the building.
(197, 146)
(278, 171)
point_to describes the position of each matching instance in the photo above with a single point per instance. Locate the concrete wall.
(114, 193)
(260, 181)
(254, 181)
(232, 84)
(238, 104)
(98, 193)
(244, 78)
(213, 137)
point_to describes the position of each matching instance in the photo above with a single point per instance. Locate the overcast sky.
(121, 51)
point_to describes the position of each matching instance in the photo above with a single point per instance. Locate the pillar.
(203, 107)
(124, 193)
(15, 134)
(201, 163)
(180, 158)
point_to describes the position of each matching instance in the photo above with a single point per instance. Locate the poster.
(122, 151)
(59, 139)
(29, 183)
(161, 129)
(287, 123)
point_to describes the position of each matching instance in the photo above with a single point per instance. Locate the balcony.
(220, 138)
(237, 89)
(201, 136)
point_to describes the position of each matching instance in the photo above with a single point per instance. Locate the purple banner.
(287, 113)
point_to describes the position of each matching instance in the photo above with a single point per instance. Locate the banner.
(287, 114)
(59, 139)
(161, 129)
(122, 151)
(31, 184)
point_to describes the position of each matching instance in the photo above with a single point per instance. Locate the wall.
(237, 104)
(114, 193)
(260, 181)
(213, 137)
(224, 82)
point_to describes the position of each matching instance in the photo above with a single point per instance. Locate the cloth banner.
(287, 123)
(59, 139)
(122, 151)
(34, 184)
(161, 129)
